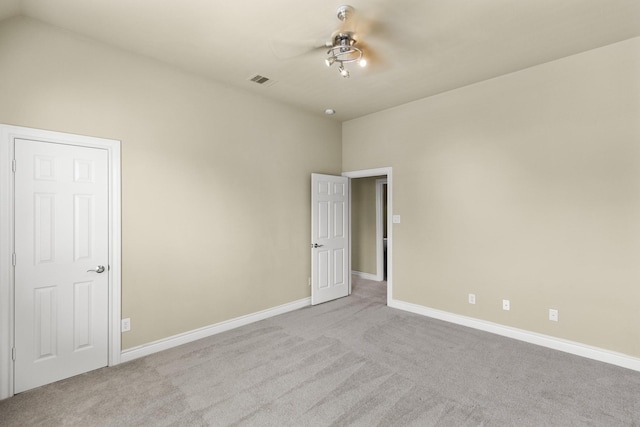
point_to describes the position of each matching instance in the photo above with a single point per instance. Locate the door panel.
(46, 321)
(330, 275)
(61, 232)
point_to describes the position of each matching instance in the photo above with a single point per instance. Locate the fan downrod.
(344, 12)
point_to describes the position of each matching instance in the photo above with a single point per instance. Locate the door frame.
(368, 173)
(380, 264)
(8, 134)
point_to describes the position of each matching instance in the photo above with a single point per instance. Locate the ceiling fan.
(344, 46)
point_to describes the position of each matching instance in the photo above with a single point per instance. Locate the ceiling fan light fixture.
(345, 56)
(342, 48)
(344, 52)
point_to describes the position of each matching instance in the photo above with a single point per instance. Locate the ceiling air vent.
(262, 80)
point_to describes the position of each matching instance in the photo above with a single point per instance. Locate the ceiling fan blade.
(374, 60)
(361, 23)
(287, 48)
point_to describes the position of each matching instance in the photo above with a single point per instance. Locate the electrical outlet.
(472, 298)
(506, 305)
(126, 325)
(553, 315)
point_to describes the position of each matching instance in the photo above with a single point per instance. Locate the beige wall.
(215, 181)
(363, 225)
(524, 187)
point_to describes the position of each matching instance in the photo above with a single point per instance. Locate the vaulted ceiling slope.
(416, 48)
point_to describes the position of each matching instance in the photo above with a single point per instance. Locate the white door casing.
(380, 216)
(62, 252)
(84, 288)
(388, 171)
(330, 221)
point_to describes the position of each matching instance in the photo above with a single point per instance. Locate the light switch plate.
(396, 219)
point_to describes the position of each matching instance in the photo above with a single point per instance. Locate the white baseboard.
(207, 331)
(554, 343)
(560, 344)
(367, 276)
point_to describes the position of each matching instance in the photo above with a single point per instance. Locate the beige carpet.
(348, 362)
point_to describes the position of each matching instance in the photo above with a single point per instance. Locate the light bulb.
(344, 72)
(363, 62)
(330, 61)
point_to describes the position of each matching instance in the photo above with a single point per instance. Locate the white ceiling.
(417, 48)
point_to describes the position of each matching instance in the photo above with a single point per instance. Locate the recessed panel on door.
(82, 315)
(339, 269)
(324, 224)
(324, 188)
(339, 220)
(44, 168)
(83, 171)
(44, 227)
(45, 315)
(323, 269)
(83, 226)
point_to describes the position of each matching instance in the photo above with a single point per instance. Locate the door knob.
(98, 269)
(315, 245)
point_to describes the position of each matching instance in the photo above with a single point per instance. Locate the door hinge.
(13, 259)
(13, 165)
(13, 354)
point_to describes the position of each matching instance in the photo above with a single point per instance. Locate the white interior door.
(61, 269)
(330, 266)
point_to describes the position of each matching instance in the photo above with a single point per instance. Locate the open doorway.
(368, 230)
(371, 231)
